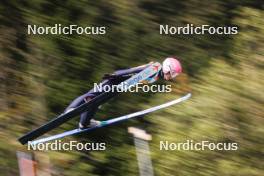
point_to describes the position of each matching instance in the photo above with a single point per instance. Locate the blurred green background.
(41, 74)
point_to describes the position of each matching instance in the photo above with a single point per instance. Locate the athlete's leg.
(75, 103)
(87, 118)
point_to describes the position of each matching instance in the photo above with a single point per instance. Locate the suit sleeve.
(130, 71)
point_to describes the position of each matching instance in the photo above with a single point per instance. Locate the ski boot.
(93, 123)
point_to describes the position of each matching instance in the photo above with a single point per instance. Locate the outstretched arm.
(131, 70)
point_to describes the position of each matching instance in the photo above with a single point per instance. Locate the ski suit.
(114, 79)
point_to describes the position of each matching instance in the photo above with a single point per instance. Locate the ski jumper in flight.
(171, 67)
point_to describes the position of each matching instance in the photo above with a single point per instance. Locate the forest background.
(41, 74)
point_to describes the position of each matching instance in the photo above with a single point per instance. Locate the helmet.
(171, 65)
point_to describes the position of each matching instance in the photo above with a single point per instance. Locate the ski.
(112, 121)
(140, 77)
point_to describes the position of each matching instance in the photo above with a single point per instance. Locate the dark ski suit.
(113, 79)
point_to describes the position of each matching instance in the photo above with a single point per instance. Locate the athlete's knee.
(87, 99)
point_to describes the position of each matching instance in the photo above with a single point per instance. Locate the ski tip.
(189, 95)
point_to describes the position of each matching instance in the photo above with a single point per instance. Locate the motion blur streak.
(41, 74)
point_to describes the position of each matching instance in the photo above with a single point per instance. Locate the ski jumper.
(114, 79)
